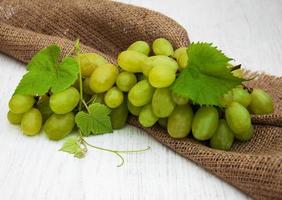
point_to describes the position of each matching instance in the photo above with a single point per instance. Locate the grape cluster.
(140, 85)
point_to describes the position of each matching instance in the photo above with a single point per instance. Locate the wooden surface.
(32, 168)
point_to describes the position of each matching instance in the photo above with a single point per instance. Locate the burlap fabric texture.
(108, 27)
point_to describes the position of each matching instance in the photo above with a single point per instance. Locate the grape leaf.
(206, 77)
(72, 145)
(45, 72)
(96, 121)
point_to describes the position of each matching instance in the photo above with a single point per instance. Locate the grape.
(103, 78)
(162, 103)
(131, 61)
(31, 122)
(114, 97)
(21, 103)
(125, 81)
(146, 117)
(179, 100)
(205, 123)
(44, 108)
(162, 46)
(238, 118)
(163, 122)
(241, 96)
(141, 93)
(180, 121)
(14, 118)
(161, 77)
(246, 136)
(182, 60)
(134, 110)
(89, 61)
(141, 47)
(119, 116)
(223, 137)
(261, 102)
(159, 60)
(59, 126)
(65, 101)
(86, 87)
(179, 51)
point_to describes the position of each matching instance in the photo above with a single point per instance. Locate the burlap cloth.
(108, 27)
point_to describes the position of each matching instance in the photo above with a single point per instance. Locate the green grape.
(65, 101)
(241, 96)
(182, 60)
(261, 102)
(180, 121)
(114, 97)
(146, 116)
(141, 47)
(162, 103)
(89, 61)
(246, 136)
(131, 61)
(205, 123)
(161, 77)
(103, 78)
(119, 116)
(227, 99)
(86, 87)
(141, 93)
(179, 51)
(21, 103)
(153, 61)
(31, 122)
(14, 118)
(179, 100)
(223, 138)
(125, 81)
(163, 122)
(59, 126)
(162, 46)
(238, 118)
(134, 110)
(44, 108)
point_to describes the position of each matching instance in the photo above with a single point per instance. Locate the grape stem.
(235, 67)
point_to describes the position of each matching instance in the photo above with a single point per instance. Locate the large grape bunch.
(140, 85)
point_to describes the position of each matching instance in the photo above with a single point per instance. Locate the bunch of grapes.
(141, 86)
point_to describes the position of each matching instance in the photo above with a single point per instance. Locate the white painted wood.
(32, 168)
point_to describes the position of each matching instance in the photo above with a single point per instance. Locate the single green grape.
(103, 78)
(119, 116)
(180, 121)
(261, 102)
(31, 122)
(223, 137)
(238, 118)
(241, 96)
(162, 46)
(44, 108)
(86, 87)
(141, 93)
(14, 118)
(59, 126)
(205, 123)
(131, 61)
(141, 47)
(179, 100)
(147, 118)
(134, 110)
(113, 97)
(163, 122)
(21, 103)
(89, 61)
(160, 60)
(246, 136)
(161, 77)
(162, 103)
(182, 60)
(125, 81)
(179, 51)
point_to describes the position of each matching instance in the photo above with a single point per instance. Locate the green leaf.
(97, 121)
(207, 77)
(45, 72)
(72, 145)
